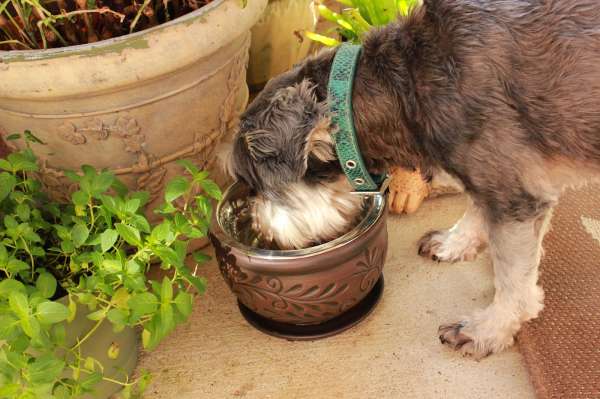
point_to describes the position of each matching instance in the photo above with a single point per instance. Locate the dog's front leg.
(516, 249)
(462, 242)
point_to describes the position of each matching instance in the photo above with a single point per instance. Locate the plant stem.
(89, 333)
(124, 384)
(30, 258)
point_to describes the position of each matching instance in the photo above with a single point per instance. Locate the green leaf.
(143, 303)
(52, 312)
(204, 206)
(63, 233)
(118, 317)
(120, 298)
(119, 187)
(146, 336)
(112, 265)
(44, 369)
(183, 302)
(71, 175)
(32, 138)
(89, 382)
(162, 232)
(4, 164)
(8, 324)
(46, 284)
(327, 41)
(211, 189)
(176, 188)
(132, 205)
(15, 265)
(12, 137)
(168, 256)
(79, 234)
(23, 161)
(7, 183)
(166, 291)
(72, 310)
(19, 304)
(132, 266)
(80, 198)
(30, 326)
(89, 363)
(108, 239)
(102, 182)
(165, 209)
(189, 166)
(130, 234)
(23, 212)
(3, 255)
(9, 286)
(10, 222)
(140, 223)
(59, 334)
(10, 390)
(167, 320)
(97, 315)
(199, 257)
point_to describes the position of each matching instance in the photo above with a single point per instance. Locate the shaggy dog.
(503, 95)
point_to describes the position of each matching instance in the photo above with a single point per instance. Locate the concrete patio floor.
(394, 353)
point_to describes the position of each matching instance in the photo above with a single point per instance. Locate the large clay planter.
(308, 286)
(278, 40)
(133, 104)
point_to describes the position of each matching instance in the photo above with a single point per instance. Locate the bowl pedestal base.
(295, 332)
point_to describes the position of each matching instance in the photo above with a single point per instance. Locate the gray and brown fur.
(504, 95)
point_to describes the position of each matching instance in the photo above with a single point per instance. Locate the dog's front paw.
(476, 338)
(450, 246)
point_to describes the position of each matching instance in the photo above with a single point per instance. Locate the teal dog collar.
(339, 91)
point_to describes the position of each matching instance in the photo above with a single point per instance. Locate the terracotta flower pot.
(302, 287)
(133, 104)
(277, 39)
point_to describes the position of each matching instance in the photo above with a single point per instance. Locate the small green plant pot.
(125, 343)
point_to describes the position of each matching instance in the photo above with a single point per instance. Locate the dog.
(502, 95)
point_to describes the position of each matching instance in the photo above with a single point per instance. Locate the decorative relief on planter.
(125, 127)
(54, 182)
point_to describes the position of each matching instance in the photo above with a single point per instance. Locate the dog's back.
(546, 54)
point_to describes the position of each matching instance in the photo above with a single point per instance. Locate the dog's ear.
(320, 141)
(278, 139)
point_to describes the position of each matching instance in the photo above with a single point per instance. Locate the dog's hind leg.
(462, 242)
(516, 249)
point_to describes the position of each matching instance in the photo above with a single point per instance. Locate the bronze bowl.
(307, 293)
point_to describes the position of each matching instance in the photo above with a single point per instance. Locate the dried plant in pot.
(308, 293)
(127, 86)
(74, 294)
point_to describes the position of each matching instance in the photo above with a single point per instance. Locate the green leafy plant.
(90, 255)
(359, 17)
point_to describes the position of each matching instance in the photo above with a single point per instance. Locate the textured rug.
(562, 347)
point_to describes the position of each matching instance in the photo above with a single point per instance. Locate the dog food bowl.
(308, 293)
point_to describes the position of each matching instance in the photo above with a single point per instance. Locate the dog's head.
(285, 152)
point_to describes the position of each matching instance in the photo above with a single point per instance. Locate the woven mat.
(562, 347)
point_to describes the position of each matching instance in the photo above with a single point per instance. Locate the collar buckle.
(383, 188)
